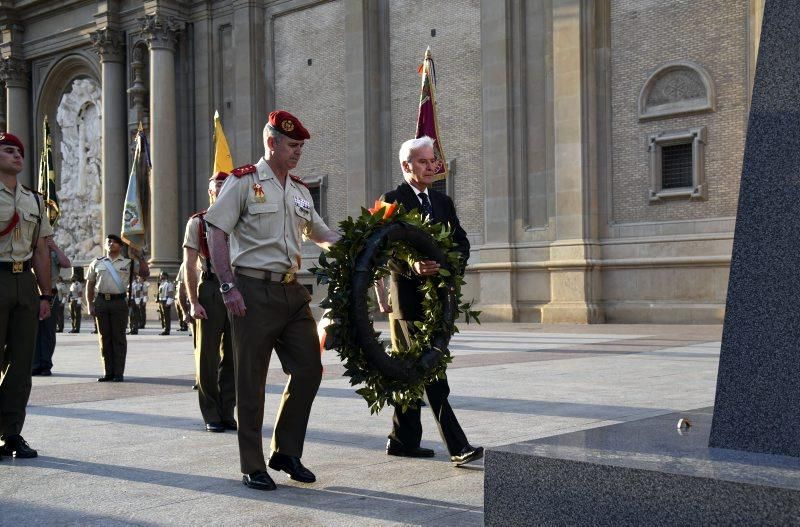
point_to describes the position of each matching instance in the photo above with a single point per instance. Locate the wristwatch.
(224, 287)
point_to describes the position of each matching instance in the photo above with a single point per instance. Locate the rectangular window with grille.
(676, 166)
(316, 195)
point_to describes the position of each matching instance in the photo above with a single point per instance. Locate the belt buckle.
(107, 296)
(287, 278)
(16, 267)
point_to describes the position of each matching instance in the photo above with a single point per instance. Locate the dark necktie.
(426, 207)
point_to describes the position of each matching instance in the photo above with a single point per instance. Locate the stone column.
(574, 275)
(14, 72)
(161, 36)
(108, 43)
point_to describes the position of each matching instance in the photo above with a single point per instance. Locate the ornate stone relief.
(109, 44)
(676, 88)
(159, 31)
(79, 117)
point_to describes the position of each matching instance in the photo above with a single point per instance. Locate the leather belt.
(16, 267)
(267, 276)
(107, 296)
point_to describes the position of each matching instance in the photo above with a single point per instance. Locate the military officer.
(75, 308)
(143, 286)
(213, 349)
(63, 295)
(265, 210)
(106, 285)
(166, 297)
(24, 230)
(134, 313)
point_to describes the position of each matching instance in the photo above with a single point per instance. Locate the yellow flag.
(222, 154)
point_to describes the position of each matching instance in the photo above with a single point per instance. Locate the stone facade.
(546, 109)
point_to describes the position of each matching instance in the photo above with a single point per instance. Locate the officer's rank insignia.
(287, 125)
(258, 193)
(302, 203)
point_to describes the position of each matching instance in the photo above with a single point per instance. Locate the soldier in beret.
(266, 211)
(108, 281)
(24, 230)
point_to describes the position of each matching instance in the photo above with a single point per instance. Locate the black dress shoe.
(395, 448)
(230, 424)
(107, 378)
(469, 453)
(16, 446)
(292, 466)
(259, 481)
(195, 387)
(46, 373)
(118, 378)
(215, 427)
(164, 333)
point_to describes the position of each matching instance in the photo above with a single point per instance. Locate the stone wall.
(456, 50)
(710, 33)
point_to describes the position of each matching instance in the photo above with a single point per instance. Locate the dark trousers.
(111, 317)
(277, 316)
(214, 356)
(133, 317)
(142, 314)
(165, 313)
(19, 315)
(182, 324)
(75, 313)
(406, 426)
(45, 344)
(58, 310)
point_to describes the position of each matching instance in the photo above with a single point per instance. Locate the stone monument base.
(643, 472)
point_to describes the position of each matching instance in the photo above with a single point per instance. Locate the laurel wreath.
(369, 242)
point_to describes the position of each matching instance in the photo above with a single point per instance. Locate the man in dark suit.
(419, 168)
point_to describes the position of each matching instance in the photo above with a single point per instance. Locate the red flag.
(427, 120)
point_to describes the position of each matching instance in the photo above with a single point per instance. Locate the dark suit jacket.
(406, 299)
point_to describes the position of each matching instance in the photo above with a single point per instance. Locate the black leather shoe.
(230, 424)
(292, 466)
(46, 373)
(118, 378)
(17, 446)
(107, 378)
(469, 453)
(395, 448)
(164, 333)
(259, 481)
(215, 427)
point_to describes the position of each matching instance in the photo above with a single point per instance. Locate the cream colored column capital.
(160, 32)
(109, 44)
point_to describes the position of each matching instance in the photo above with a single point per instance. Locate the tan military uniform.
(214, 349)
(75, 305)
(19, 301)
(111, 310)
(63, 294)
(266, 222)
(166, 296)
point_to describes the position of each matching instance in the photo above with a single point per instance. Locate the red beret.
(219, 176)
(13, 140)
(288, 125)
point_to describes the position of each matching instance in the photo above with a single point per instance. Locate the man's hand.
(51, 243)
(197, 311)
(44, 309)
(426, 267)
(234, 302)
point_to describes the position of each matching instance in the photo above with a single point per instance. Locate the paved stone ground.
(137, 454)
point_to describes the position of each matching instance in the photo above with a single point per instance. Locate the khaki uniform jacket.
(191, 239)
(166, 290)
(266, 221)
(17, 245)
(101, 277)
(76, 292)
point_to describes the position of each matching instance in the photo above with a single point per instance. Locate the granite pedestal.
(639, 473)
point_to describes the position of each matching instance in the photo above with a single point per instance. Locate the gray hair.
(407, 148)
(273, 133)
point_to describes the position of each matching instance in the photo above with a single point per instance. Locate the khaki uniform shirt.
(137, 290)
(191, 239)
(76, 292)
(17, 245)
(166, 290)
(63, 291)
(101, 277)
(266, 222)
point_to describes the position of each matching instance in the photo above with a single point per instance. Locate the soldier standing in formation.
(63, 294)
(266, 211)
(75, 299)
(134, 298)
(166, 297)
(24, 229)
(213, 349)
(106, 286)
(46, 336)
(142, 286)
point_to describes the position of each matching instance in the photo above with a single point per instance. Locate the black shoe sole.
(258, 486)
(299, 479)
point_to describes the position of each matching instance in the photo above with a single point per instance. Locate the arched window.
(676, 88)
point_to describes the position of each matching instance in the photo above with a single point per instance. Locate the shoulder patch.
(243, 170)
(298, 180)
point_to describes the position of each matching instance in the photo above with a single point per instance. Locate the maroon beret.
(13, 140)
(288, 125)
(219, 176)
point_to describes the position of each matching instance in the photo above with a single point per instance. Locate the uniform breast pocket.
(264, 215)
(30, 219)
(302, 215)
